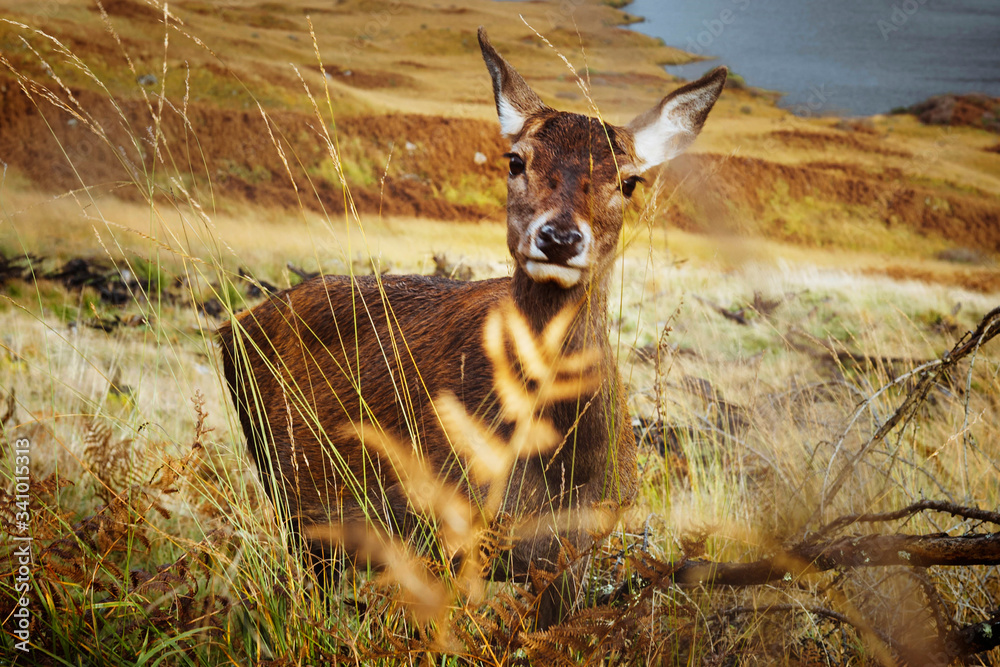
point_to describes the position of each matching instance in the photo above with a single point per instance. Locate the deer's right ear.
(666, 130)
(515, 100)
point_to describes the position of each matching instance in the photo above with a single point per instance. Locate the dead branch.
(975, 638)
(954, 509)
(864, 551)
(915, 551)
(989, 328)
(301, 273)
(960, 642)
(258, 288)
(934, 600)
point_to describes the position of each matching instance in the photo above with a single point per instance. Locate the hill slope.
(400, 110)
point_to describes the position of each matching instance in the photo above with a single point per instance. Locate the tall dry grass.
(153, 541)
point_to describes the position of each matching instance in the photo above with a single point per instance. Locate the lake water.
(856, 57)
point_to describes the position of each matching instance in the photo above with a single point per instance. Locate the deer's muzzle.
(557, 249)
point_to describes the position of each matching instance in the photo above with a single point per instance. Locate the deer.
(312, 361)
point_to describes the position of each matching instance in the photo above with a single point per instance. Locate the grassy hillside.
(407, 105)
(782, 291)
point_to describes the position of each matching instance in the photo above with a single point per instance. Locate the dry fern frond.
(115, 528)
(532, 372)
(46, 518)
(422, 593)
(513, 609)
(115, 463)
(10, 408)
(187, 467)
(443, 502)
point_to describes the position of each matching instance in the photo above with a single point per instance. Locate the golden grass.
(261, 240)
(745, 491)
(892, 153)
(761, 415)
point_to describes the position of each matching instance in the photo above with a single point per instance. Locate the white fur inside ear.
(511, 120)
(663, 134)
(661, 140)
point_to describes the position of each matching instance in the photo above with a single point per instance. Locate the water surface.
(858, 57)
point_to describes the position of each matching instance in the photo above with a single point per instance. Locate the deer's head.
(571, 176)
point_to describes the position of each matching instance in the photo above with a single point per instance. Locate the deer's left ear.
(666, 130)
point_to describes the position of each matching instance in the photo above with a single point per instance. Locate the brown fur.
(312, 374)
(337, 351)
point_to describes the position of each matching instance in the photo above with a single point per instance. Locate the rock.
(147, 80)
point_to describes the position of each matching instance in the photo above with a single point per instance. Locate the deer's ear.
(666, 130)
(515, 100)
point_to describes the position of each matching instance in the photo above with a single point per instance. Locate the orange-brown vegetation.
(412, 160)
(233, 150)
(410, 112)
(773, 391)
(367, 79)
(977, 280)
(973, 110)
(742, 192)
(825, 141)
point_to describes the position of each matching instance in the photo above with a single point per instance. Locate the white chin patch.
(543, 272)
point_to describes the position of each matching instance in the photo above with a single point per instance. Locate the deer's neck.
(591, 424)
(540, 302)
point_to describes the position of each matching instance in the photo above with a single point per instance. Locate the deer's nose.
(559, 244)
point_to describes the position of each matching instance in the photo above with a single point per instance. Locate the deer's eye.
(516, 164)
(628, 185)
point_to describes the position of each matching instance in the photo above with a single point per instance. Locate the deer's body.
(337, 351)
(415, 338)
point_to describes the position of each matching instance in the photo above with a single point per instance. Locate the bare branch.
(301, 273)
(974, 638)
(924, 505)
(865, 551)
(988, 329)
